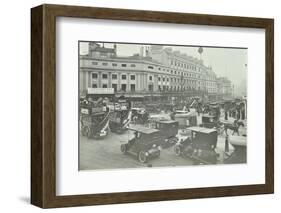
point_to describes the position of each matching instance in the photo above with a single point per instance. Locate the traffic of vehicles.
(153, 132)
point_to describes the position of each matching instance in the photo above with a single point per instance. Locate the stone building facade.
(153, 71)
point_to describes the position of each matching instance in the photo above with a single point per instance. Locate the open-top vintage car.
(144, 145)
(239, 155)
(200, 146)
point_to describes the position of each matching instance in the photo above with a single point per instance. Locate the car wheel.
(123, 148)
(177, 150)
(142, 157)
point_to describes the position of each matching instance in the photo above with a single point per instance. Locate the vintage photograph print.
(161, 105)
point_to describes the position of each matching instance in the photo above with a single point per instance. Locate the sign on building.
(101, 91)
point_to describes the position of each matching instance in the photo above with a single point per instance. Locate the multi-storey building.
(155, 71)
(195, 75)
(225, 88)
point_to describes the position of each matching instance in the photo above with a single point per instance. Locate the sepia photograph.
(161, 105)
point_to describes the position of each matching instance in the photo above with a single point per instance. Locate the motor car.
(200, 146)
(145, 144)
(169, 130)
(209, 121)
(185, 118)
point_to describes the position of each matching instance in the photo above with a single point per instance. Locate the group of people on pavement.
(238, 112)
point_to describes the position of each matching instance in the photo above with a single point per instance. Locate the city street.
(106, 154)
(115, 77)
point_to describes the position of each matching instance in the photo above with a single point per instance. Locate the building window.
(114, 65)
(94, 85)
(124, 77)
(124, 65)
(167, 79)
(104, 64)
(133, 77)
(103, 55)
(159, 79)
(104, 76)
(104, 86)
(133, 65)
(114, 86)
(94, 63)
(159, 68)
(150, 67)
(150, 88)
(114, 76)
(159, 88)
(133, 87)
(123, 87)
(94, 75)
(150, 78)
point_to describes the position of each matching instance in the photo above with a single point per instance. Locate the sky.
(225, 62)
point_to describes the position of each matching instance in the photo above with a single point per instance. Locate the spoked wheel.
(142, 157)
(123, 148)
(177, 150)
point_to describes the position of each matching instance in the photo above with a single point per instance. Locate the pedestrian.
(238, 114)
(243, 113)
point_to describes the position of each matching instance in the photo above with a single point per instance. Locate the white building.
(153, 71)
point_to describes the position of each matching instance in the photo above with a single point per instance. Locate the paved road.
(105, 154)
